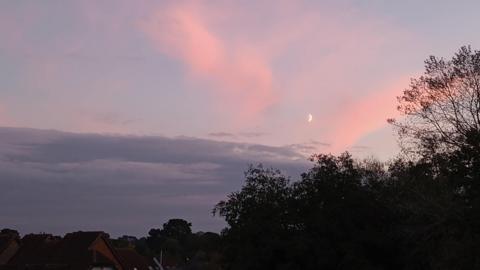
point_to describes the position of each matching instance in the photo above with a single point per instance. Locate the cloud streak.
(366, 115)
(239, 74)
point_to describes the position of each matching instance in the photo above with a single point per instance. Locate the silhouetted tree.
(174, 240)
(441, 123)
(334, 217)
(433, 230)
(10, 232)
(177, 229)
(125, 241)
(258, 234)
(342, 217)
(204, 251)
(442, 107)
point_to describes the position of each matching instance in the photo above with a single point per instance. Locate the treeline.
(342, 214)
(345, 214)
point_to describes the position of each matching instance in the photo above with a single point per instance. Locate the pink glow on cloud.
(240, 75)
(351, 121)
(365, 115)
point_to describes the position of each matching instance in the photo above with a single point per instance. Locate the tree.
(433, 227)
(439, 194)
(10, 232)
(204, 251)
(333, 218)
(441, 124)
(441, 109)
(125, 241)
(342, 215)
(177, 228)
(172, 239)
(258, 234)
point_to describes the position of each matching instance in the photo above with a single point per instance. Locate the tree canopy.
(441, 109)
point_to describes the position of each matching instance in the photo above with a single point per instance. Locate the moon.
(310, 117)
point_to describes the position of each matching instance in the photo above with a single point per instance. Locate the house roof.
(131, 260)
(5, 241)
(35, 249)
(73, 251)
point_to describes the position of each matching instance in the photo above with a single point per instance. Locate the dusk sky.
(118, 115)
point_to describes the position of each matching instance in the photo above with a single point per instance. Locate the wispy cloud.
(365, 115)
(310, 148)
(314, 142)
(240, 74)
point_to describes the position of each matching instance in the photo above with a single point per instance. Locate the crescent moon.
(310, 117)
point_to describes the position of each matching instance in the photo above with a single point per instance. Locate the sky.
(117, 115)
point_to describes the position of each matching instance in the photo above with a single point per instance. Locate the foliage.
(331, 218)
(9, 232)
(179, 247)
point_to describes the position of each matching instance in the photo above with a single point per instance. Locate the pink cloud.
(350, 121)
(239, 74)
(296, 56)
(365, 115)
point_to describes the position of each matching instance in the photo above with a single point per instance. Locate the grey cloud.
(303, 147)
(359, 148)
(57, 182)
(307, 148)
(319, 143)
